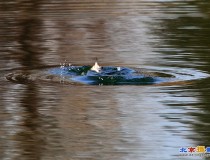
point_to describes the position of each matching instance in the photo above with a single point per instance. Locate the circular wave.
(109, 75)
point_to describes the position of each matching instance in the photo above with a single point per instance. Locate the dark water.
(52, 120)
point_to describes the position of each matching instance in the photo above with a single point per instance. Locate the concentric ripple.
(111, 75)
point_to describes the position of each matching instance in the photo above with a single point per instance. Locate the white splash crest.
(96, 68)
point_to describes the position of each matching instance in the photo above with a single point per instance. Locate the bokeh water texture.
(67, 121)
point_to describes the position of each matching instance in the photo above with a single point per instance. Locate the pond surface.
(51, 119)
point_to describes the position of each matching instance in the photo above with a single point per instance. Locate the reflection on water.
(58, 121)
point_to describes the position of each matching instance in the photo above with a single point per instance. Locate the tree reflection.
(187, 40)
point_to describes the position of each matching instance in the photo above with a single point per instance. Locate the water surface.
(45, 120)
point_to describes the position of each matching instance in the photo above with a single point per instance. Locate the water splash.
(109, 75)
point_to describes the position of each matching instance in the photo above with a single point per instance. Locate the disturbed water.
(44, 114)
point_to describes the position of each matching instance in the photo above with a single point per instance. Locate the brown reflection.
(91, 129)
(88, 117)
(100, 41)
(39, 135)
(78, 31)
(30, 139)
(41, 33)
(29, 36)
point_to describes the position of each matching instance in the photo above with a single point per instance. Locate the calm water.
(44, 121)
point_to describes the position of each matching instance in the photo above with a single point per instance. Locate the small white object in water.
(96, 68)
(118, 68)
